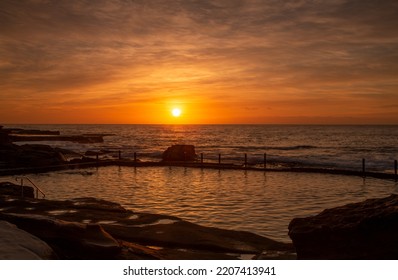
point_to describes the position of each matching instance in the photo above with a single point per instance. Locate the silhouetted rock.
(20, 131)
(30, 155)
(70, 138)
(17, 244)
(8, 188)
(4, 139)
(179, 153)
(365, 230)
(86, 228)
(39, 155)
(19, 134)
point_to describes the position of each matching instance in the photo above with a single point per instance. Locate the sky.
(220, 61)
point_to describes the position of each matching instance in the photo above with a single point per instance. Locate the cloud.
(223, 50)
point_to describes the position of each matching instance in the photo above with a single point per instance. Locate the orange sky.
(224, 61)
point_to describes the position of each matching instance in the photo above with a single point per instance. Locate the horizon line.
(193, 124)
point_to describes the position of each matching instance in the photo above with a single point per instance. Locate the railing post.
(363, 168)
(265, 161)
(22, 194)
(33, 184)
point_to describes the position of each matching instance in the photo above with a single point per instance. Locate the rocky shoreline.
(364, 230)
(21, 135)
(89, 228)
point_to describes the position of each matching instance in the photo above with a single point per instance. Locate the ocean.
(341, 147)
(257, 201)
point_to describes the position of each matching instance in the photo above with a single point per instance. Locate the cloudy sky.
(220, 61)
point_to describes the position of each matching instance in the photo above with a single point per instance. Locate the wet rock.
(179, 153)
(17, 244)
(73, 240)
(139, 235)
(8, 188)
(365, 230)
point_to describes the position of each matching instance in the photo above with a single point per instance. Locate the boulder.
(8, 188)
(365, 230)
(17, 244)
(180, 153)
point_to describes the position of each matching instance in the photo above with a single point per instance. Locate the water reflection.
(260, 202)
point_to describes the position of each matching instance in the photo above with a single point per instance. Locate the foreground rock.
(179, 153)
(16, 244)
(89, 228)
(365, 230)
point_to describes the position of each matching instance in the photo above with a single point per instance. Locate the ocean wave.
(290, 148)
(258, 148)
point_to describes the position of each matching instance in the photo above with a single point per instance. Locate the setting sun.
(176, 112)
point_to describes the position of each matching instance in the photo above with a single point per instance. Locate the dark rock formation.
(33, 155)
(8, 188)
(179, 153)
(17, 244)
(20, 131)
(70, 138)
(87, 228)
(18, 135)
(4, 139)
(365, 230)
(70, 239)
(30, 155)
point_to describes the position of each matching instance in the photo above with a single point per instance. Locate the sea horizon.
(210, 124)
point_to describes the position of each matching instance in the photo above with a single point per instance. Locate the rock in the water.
(4, 138)
(17, 244)
(365, 230)
(8, 188)
(180, 153)
(30, 156)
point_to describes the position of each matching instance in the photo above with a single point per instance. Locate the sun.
(176, 112)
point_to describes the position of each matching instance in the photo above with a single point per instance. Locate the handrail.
(33, 184)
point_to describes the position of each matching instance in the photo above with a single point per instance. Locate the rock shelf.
(89, 228)
(364, 230)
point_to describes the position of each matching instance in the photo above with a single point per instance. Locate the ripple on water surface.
(263, 203)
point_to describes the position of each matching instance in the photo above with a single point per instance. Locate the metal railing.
(22, 178)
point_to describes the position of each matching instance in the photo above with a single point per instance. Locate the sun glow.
(176, 112)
